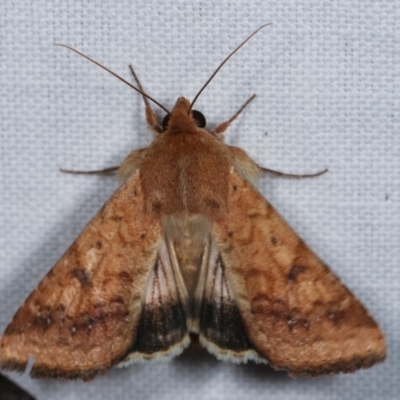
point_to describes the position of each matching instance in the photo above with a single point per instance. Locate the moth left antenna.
(223, 62)
(116, 75)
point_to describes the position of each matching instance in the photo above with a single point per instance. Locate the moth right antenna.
(223, 62)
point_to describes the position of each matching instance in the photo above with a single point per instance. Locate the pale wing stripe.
(168, 253)
(200, 288)
(162, 286)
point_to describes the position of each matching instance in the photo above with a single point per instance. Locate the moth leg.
(105, 171)
(151, 117)
(221, 128)
(285, 175)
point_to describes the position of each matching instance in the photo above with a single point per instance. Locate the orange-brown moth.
(188, 246)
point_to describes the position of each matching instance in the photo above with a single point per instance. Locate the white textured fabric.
(327, 76)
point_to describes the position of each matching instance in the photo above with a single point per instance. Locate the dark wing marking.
(296, 312)
(222, 331)
(83, 316)
(162, 331)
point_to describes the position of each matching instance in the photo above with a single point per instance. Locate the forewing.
(296, 312)
(82, 318)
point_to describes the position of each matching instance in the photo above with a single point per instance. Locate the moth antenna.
(117, 76)
(223, 62)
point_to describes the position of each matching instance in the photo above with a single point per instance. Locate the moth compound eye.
(165, 122)
(199, 119)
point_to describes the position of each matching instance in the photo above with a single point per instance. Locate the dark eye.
(199, 119)
(165, 122)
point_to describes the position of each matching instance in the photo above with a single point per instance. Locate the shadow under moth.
(188, 247)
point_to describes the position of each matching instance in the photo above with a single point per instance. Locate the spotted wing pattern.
(296, 312)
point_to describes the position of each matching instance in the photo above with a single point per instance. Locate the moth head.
(183, 112)
(183, 115)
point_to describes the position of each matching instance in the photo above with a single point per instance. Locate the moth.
(188, 247)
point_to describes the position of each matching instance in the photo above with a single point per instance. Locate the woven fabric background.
(327, 78)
